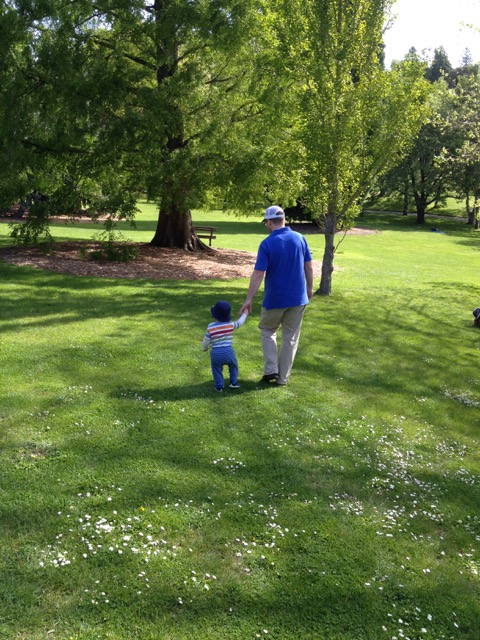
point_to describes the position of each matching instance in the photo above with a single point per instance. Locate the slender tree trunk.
(469, 210)
(328, 255)
(418, 189)
(406, 191)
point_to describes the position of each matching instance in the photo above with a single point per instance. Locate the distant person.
(285, 261)
(476, 317)
(219, 338)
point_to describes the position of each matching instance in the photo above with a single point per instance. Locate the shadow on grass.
(189, 391)
(83, 299)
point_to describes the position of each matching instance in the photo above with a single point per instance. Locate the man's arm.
(308, 268)
(255, 282)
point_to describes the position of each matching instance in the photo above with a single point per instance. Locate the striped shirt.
(220, 334)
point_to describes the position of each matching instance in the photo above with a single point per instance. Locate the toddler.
(219, 337)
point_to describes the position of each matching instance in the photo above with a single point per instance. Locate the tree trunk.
(174, 227)
(328, 255)
(420, 215)
(470, 212)
(175, 231)
(19, 213)
(420, 195)
(421, 205)
(406, 191)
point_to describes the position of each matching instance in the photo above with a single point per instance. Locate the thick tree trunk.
(421, 205)
(174, 227)
(175, 231)
(420, 216)
(328, 255)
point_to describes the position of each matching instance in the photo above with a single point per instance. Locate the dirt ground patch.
(150, 263)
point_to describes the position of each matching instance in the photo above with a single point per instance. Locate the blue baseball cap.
(221, 311)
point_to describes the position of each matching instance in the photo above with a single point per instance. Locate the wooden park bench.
(206, 233)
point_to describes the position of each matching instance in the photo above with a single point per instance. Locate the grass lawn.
(137, 503)
(454, 207)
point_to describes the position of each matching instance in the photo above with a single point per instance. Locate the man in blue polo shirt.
(284, 260)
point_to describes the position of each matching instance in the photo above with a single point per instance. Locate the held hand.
(309, 293)
(247, 308)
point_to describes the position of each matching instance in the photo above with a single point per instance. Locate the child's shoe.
(234, 385)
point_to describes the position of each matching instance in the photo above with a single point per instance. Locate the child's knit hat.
(221, 311)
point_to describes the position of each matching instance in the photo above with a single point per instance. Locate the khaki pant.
(290, 319)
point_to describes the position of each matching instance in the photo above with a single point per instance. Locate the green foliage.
(440, 67)
(114, 247)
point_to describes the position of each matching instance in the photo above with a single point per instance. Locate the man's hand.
(247, 307)
(255, 282)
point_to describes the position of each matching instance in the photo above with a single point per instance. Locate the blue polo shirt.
(282, 256)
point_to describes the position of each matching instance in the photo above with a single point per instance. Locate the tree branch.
(129, 56)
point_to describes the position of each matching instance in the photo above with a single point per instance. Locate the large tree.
(354, 117)
(122, 97)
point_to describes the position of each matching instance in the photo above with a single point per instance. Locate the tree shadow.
(88, 298)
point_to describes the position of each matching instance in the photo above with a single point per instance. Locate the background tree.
(421, 177)
(440, 67)
(353, 115)
(462, 158)
(394, 183)
(428, 178)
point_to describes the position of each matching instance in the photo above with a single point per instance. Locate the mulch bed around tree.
(151, 262)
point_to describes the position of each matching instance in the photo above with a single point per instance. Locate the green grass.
(135, 502)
